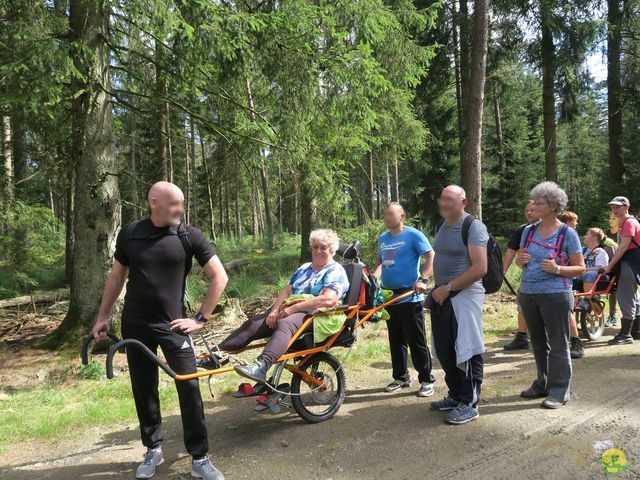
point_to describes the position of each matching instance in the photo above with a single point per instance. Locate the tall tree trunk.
(255, 207)
(395, 182)
(614, 104)
(223, 226)
(387, 183)
(548, 92)
(187, 172)
(455, 21)
(68, 223)
(308, 216)
(162, 116)
(97, 211)
(238, 213)
(18, 134)
(205, 166)
(264, 176)
(370, 184)
(502, 160)
(193, 175)
(7, 162)
(133, 164)
(296, 206)
(473, 103)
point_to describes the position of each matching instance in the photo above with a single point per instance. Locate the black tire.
(591, 325)
(326, 366)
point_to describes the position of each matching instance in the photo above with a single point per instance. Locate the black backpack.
(183, 235)
(492, 281)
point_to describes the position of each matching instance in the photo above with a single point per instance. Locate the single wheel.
(592, 324)
(316, 405)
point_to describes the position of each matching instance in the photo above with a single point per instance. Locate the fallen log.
(230, 265)
(35, 299)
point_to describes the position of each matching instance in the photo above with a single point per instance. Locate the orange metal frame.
(592, 291)
(350, 311)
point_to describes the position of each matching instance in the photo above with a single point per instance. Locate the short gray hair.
(326, 236)
(551, 193)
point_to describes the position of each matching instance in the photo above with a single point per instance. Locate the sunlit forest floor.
(59, 420)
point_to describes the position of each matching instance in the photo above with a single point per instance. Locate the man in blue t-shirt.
(398, 266)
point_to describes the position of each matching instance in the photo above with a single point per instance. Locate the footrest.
(272, 402)
(248, 390)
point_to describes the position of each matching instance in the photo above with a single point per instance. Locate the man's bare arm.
(218, 281)
(478, 269)
(509, 255)
(112, 288)
(427, 264)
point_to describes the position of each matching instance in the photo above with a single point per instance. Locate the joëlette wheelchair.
(318, 384)
(592, 319)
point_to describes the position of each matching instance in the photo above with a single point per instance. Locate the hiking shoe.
(204, 469)
(621, 339)
(447, 403)
(212, 361)
(397, 385)
(552, 403)
(520, 342)
(577, 350)
(256, 371)
(611, 321)
(532, 393)
(426, 389)
(152, 459)
(463, 413)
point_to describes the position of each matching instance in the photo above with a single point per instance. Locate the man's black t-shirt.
(156, 260)
(516, 236)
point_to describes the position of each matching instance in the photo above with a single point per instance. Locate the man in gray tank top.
(456, 306)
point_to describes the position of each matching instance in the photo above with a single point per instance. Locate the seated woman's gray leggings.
(256, 327)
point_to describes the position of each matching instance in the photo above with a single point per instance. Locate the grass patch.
(55, 410)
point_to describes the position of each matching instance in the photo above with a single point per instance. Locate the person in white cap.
(626, 265)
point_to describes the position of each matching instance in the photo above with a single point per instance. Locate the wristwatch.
(448, 287)
(422, 279)
(558, 270)
(200, 317)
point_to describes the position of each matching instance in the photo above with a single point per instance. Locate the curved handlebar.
(84, 353)
(130, 342)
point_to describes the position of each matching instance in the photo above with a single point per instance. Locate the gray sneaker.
(152, 459)
(462, 414)
(397, 385)
(447, 403)
(205, 470)
(427, 389)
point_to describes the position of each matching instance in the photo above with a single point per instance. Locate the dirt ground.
(380, 436)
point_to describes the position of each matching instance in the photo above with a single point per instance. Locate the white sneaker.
(205, 470)
(427, 389)
(152, 459)
(397, 385)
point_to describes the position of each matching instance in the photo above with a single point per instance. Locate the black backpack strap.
(128, 231)
(183, 235)
(439, 225)
(466, 226)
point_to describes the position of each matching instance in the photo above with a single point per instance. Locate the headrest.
(349, 251)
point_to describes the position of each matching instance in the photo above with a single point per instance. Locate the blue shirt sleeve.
(422, 243)
(296, 275)
(572, 242)
(525, 235)
(336, 279)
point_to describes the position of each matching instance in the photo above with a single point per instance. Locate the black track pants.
(406, 331)
(178, 350)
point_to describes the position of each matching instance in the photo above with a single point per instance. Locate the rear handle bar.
(84, 353)
(130, 342)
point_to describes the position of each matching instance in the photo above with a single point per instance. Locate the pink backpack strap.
(532, 230)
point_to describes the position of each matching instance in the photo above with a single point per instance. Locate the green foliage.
(31, 250)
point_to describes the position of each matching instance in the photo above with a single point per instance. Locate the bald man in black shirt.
(156, 254)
